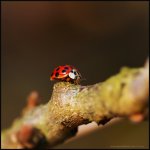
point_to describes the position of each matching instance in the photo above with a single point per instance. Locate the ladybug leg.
(77, 81)
(68, 79)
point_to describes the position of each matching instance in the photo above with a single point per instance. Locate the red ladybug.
(66, 73)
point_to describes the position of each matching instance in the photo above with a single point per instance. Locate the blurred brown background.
(96, 37)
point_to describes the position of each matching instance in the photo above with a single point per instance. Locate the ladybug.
(66, 73)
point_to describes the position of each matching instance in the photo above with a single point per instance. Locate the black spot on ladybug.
(63, 70)
(66, 68)
(72, 71)
(57, 69)
(75, 73)
(57, 74)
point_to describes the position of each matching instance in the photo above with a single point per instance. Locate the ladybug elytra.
(66, 73)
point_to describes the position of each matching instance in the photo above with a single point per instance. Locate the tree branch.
(125, 95)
